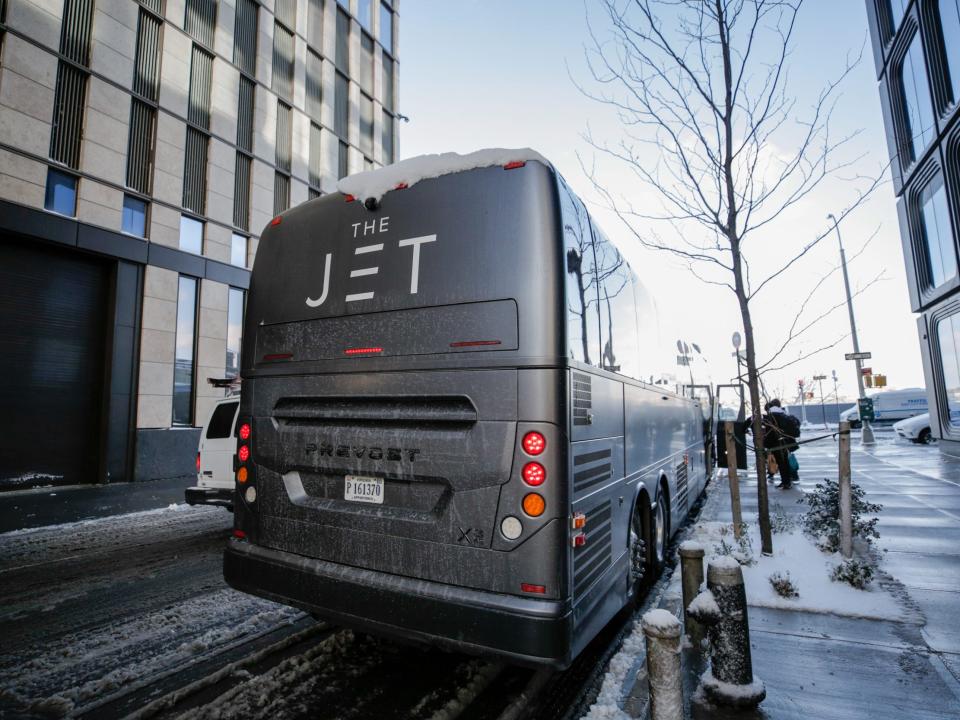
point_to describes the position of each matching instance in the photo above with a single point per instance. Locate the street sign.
(880, 381)
(865, 405)
(819, 377)
(858, 356)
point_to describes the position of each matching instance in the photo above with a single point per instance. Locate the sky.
(504, 73)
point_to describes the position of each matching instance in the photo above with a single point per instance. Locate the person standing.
(780, 434)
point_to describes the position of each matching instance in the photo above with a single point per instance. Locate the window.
(238, 250)
(387, 65)
(245, 37)
(386, 28)
(313, 193)
(941, 259)
(61, 194)
(241, 191)
(134, 221)
(365, 77)
(917, 108)
(315, 24)
(195, 170)
(201, 81)
(583, 328)
(199, 20)
(234, 330)
(281, 192)
(191, 235)
(140, 142)
(146, 69)
(365, 14)
(948, 337)
(67, 128)
(343, 160)
(185, 351)
(316, 155)
(284, 136)
(220, 426)
(314, 82)
(282, 61)
(387, 140)
(950, 38)
(341, 106)
(245, 115)
(342, 58)
(366, 125)
(618, 313)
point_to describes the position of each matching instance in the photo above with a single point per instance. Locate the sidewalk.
(827, 665)
(55, 505)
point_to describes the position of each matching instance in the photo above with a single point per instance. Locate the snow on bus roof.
(376, 183)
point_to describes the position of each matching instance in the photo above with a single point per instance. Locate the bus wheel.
(658, 539)
(638, 554)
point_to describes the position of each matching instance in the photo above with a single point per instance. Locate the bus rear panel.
(394, 361)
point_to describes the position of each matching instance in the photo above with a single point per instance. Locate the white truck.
(891, 406)
(218, 443)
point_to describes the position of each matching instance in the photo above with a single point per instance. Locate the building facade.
(143, 146)
(916, 46)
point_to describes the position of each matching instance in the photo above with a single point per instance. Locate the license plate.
(363, 489)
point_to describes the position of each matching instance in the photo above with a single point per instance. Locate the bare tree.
(702, 91)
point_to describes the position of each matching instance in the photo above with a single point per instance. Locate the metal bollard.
(662, 631)
(730, 680)
(691, 572)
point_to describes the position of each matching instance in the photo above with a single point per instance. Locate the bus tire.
(659, 532)
(639, 570)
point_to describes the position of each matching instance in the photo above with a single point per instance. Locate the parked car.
(916, 429)
(891, 406)
(218, 443)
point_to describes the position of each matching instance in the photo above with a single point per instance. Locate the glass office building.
(916, 46)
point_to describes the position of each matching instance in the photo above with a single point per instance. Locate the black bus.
(454, 424)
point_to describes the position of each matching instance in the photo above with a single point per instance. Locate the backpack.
(790, 425)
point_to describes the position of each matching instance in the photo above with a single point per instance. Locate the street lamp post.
(823, 410)
(866, 436)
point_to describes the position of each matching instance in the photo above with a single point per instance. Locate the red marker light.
(514, 165)
(244, 432)
(198, 462)
(530, 588)
(401, 186)
(473, 343)
(276, 221)
(273, 357)
(363, 351)
(534, 443)
(240, 534)
(349, 198)
(579, 540)
(534, 474)
(243, 453)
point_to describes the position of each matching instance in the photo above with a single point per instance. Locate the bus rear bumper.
(526, 631)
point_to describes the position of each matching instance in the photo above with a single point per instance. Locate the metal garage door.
(53, 310)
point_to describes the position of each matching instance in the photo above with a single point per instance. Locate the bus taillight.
(534, 504)
(534, 443)
(243, 454)
(244, 431)
(534, 474)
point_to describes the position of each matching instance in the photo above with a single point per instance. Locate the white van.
(891, 406)
(218, 443)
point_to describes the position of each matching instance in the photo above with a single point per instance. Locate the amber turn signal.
(534, 505)
(242, 475)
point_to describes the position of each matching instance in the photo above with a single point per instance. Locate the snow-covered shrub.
(822, 519)
(781, 522)
(740, 549)
(853, 572)
(783, 584)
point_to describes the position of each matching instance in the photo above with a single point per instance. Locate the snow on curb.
(125, 518)
(376, 183)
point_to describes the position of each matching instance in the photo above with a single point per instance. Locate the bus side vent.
(590, 561)
(596, 472)
(582, 398)
(682, 490)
